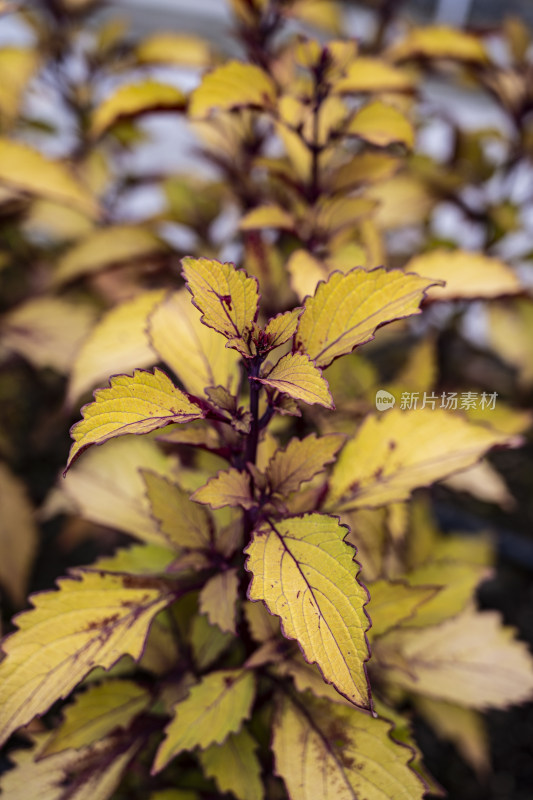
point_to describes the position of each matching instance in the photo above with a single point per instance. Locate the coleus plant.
(243, 604)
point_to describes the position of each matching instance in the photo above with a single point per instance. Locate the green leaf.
(184, 523)
(228, 488)
(117, 344)
(227, 297)
(235, 767)
(393, 602)
(91, 621)
(233, 85)
(472, 660)
(104, 248)
(138, 404)
(347, 310)
(195, 353)
(133, 99)
(339, 753)
(96, 713)
(305, 574)
(18, 536)
(395, 453)
(296, 375)
(301, 460)
(218, 600)
(27, 170)
(214, 708)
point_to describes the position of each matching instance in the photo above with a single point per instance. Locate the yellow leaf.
(267, 216)
(107, 487)
(92, 773)
(403, 200)
(48, 331)
(364, 168)
(458, 582)
(510, 335)
(137, 404)
(214, 708)
(296, 375)
(27, 170)
(233, 85)
(139, 559)
(18, 536)
(235, 766)
(184, 523)
(347, 310)
(96, 713)
(134, 99)
(305, 573)
(227, 488)
(263, 626)
(100, 617)
(340, 752)
(393, 602)
(462, 726)
(282, 327)
(439, 41)
(381, 125)
(118, 343)
(366, 74)
(207, 642)
(399, 451)
(301, 460)
(196, 354)
(17, 65)
(471, 660)
(174, 48)
(227, 297)
(218, 599)
(104, 248)
(50, 221)
(485, 483)
(306, 271)
(466, 274)
(323, 14)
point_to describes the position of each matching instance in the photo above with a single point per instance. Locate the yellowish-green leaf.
(402, 201)
(50, 221)
(48, 331)
(96, 713)
(174, 48)
(306, 272)
(228, 488)
(218, 600)
(268, 216)
(305, 574)
(381, 125)
(184, 523)
(196, 354)
(296, 375)
(472, 660)
(134, 99)
(364, 168)
(27, 170)
(399, 451)
(234, 766)
(301, 460)
(263, 626)
(175, 794)
(282, 327)
(99, 618)
(347, 310)
(393, 602)
(118, 343)
(458, 581)
(233, 85)
(138, 404)
(17, 65)
(104, 248)
(208, 642)
(90, 774)
(469, 275)
(18, 536)
(107, 486)
(439, 41)
(336, 752)
(214, 708)
(367, 74)
(227, 297)
(462, 726)
(139, 559)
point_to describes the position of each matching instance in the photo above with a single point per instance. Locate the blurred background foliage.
(109, 175)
